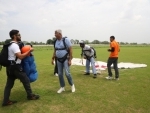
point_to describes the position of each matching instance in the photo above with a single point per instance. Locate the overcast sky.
(127, 20)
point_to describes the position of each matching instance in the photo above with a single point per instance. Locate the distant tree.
(144, 44)
(105, 42)
(134, 43)
(41, 43)
(95, 42)
(36, 43)
(32, 42)
(49, 41)
(77, 41)
(1, 43)
(86, 41)
(25, 42)
(121, 43)
(53, 39)
(72, 41)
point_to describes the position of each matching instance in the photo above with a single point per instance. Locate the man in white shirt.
(15, 71)
(88, 54)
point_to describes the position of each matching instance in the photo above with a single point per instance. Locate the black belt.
(12, 62)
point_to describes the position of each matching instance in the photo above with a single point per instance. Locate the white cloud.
(80, 19)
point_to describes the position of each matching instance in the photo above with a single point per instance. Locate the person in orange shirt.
(113, 58)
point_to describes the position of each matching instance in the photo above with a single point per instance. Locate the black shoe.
(33, 97)
(95, 76)
(10, 102)
(87, 74)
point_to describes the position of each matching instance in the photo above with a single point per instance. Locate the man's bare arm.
(23, 55)
(70, 53)
(54, 55)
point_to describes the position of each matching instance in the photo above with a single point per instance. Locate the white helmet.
(81, 42)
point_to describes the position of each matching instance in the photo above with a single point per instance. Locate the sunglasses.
(18, 35)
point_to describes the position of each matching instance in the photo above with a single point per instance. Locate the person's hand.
(52, 62)
(82, 62)
(69, 62)
(31, 49)
(108, 49)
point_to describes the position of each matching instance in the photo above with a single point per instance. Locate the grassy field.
(131, 94)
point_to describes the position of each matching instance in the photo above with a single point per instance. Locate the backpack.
(4, 55)
(95, 56)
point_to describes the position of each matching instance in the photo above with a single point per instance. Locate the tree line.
(51, 41)
(73, 41)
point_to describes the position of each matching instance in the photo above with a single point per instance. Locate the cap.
(81, 42)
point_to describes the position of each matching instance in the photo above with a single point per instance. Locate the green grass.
(131, 94)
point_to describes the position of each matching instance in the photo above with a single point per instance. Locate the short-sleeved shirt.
(115, 45)
(59, 44)
(12, 50)
(88, 51)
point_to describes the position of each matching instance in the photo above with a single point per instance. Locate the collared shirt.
(59, 44)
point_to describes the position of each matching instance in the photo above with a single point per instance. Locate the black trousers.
(56, 68)
(16, 72)
(114, 61)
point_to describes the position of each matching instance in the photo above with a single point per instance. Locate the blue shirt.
(59, 44)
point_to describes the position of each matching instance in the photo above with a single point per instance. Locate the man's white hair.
(59, 31)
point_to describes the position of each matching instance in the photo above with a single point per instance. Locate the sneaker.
(87, 74)
(56, 74)
(33, 97)
(61, 90)
(10, 102)
(109, 78)
(116, 78)
(95, 76)
(73, 88)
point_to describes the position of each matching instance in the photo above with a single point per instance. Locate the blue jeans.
(61, 67)
(92, 61)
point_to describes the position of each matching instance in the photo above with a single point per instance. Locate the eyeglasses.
(18, 35)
